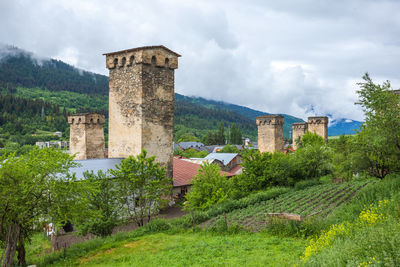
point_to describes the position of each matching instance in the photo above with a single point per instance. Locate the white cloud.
(301, 58)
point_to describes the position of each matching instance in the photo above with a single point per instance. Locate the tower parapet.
(319, 125)
(270, 133)
(141, 102)
(86, 135)
(298, 130)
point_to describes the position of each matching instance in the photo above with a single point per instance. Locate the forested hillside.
(20, 67)
(24, 76)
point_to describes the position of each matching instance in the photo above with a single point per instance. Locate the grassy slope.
(184, 247)
(199, 249)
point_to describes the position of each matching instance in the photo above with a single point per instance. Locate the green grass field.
(169, 243)
(197, 249)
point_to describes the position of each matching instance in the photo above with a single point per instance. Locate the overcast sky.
(300, 57)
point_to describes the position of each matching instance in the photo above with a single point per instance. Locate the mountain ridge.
(19, 67)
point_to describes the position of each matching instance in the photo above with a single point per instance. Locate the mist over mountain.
(20, 68)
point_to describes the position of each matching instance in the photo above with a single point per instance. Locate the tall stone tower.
(270, 133)
(86, 138)
(298, 130)
(319, 125)
(141, 102)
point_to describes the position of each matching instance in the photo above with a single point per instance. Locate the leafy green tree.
(143, 187)
(34, 187)
(103, 202)
(235, 135)
(209, 188)
(311, 161)
(188, 138)
(379, 138)
(310, 139)
(221, 134)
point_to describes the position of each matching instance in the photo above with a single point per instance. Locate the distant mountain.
(245, 112)
(90, 92)
(343, 126)
(20, 67)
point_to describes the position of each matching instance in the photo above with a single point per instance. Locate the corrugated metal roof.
(225, 158)
(94, 165)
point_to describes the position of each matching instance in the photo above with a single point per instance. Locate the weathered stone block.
(319, 125)
(86, 135)
(298, 130)
(270, 133)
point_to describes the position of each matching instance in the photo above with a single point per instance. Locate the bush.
(372, 238)
(209, 188)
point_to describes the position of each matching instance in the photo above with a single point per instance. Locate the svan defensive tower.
(141, 102)
(270, 133)
(86, 138)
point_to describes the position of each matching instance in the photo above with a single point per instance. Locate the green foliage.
(209, 188)
(262, 170)
(20, 118)
(372, 238)
(379, 139)
(104, 202)
(235, 135)
(216, 138)
(311, 139)
(229, 149)
(312, 161)
(347, 159)
(54, 75)
(142, 186)
(34, 187)
(188, 138)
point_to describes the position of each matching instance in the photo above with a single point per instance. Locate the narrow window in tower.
(153, 60)
(123, 61)
(166, 62)
(131, 60)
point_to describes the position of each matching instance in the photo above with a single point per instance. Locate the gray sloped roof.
(186, 145)
(225, 158)
(94, 165)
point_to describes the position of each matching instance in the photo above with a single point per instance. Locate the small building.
(56, 144)
(187, 145)
(228, 160)
(185, 171)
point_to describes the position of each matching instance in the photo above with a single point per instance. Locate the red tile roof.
(184, 171)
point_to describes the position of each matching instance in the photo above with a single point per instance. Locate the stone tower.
(141, 103)
(270, 133)
(298, 130)
(319, 125)
(86, 138)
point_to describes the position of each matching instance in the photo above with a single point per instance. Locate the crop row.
(318, 200)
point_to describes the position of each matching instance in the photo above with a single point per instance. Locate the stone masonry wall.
(319, 125)
(298, 130)
(87, 136)
(141, 106)
(270, 133)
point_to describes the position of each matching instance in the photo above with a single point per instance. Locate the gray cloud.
(296, 57)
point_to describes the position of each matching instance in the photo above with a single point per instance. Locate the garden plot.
(318, 200)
